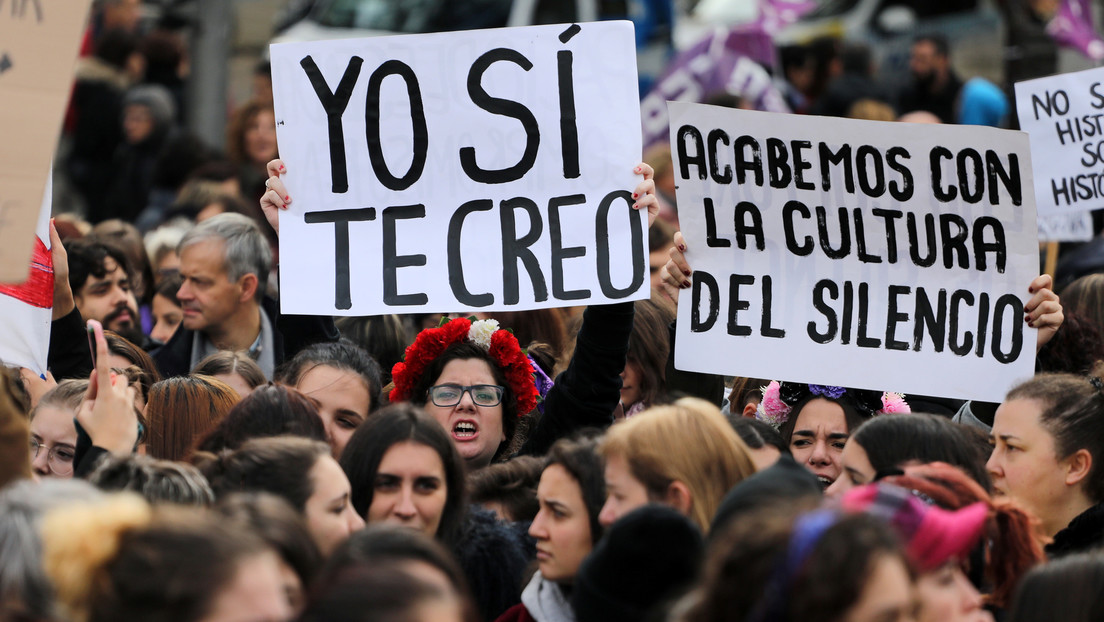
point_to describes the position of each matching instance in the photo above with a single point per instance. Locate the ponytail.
(79, 541)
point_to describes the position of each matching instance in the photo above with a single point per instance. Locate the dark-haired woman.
(404, 470)
(270, 410)
(1048, 451)
(883, 445)
(816, 420)
(1069, 589)
(342, 379)
(299, 470)
(571, 492)
(121, 560)
(474, 379)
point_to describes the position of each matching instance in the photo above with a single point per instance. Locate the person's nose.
(466, 402)
(404, 505)
(538, 529)
(819, 457)
(993, 465)
(355, 522)
(41, 462)
(608, 514)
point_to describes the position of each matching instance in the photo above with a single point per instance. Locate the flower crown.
(779, 399)
(500, 345)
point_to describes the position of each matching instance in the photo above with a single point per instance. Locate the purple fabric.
(543, 382)
(827, 391)
(1072, 27)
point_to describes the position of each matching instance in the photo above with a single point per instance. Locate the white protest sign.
(885, 256)
(1075, 227)
(27, 308)
(1064, 115)
(482, 170)
(39, 41)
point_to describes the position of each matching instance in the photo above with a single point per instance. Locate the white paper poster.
(884, 256)
(467, 171)
(1064, 115)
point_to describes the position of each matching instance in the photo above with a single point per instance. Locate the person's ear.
(678, 497)
(249, 284)
(750, 409)
(1078, 466)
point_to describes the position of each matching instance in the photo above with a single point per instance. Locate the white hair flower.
(481, 331)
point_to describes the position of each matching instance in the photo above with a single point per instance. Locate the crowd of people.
(195, 455)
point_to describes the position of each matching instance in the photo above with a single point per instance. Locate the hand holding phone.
(107, 413)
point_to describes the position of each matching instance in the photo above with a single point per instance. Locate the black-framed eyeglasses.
(446, 395)
(60, 458)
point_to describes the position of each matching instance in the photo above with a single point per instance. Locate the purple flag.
(1072, 27)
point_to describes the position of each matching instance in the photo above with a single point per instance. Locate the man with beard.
(225, 262)
(100, 276)
(934, 86)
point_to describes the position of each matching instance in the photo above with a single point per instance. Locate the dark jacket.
(291, 333)
(493, 555)
(1083, 534)
(588, 391)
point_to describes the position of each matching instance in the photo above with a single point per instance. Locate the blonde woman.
(685, 455)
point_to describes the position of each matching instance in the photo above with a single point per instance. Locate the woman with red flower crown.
(475, 380)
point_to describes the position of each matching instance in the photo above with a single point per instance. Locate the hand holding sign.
(276, 197)
(470, 171)
(1042, 312)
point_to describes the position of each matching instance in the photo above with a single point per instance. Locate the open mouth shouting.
(465, 430)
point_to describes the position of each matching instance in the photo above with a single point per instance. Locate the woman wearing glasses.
(53, 434)
(405, 470)
(479, 354)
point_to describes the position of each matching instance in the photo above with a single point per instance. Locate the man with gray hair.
(225, 262)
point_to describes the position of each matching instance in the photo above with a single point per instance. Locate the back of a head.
(182, 410)
(270, 410)
(742, 578)
(646, 559)
(273, 520)
(157, 481)
(1070, 589)
(892, 440)
(386, 544)
(279, 465)
(226, 362)
(381, 593)
(24, 586)
(245, 249)
(510, 485)
(115, 560)
(1085, 296)
(689, 441)
(784, 483)
(382, 336)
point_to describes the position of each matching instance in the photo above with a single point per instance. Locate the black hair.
(1068, 589)
(758, 434)
(1073, 413)
(399, 423)
(343, 355)
(465, 350)
(384, 543)
(582, 462)
(86, 258)
(892, 440)
(277, 523)
(270, 410)
(280, 466)
(939, 41)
